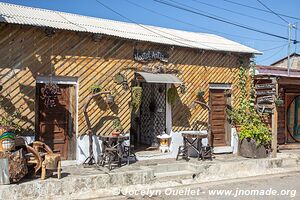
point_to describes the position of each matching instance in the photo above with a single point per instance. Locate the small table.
(191, 140)
(112, 149)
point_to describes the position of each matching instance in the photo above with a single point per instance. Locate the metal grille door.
(153, 113)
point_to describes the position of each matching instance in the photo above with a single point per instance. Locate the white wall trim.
(168, 112)
(58, 80)
(220, 86)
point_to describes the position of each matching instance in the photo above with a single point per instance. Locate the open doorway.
(150, 121)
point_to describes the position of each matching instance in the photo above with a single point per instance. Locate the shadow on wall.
(8, 107)
(181, 114)
(104, 106)
(101, 122)
(199, 125)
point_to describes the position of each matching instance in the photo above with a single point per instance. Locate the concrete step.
(175, 175)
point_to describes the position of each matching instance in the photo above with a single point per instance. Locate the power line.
(146, 28)
(194, 25)
(266, 11)
(221, 20)
(239, 13)
(272, 48)
(272, 11)
(277, 52)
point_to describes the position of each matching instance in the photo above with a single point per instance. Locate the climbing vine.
(172, 95)
(136, 98)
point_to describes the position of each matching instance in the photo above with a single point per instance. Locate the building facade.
(43, 51)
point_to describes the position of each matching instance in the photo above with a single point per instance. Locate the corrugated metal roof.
(276, 71)
(160, 78)
(16, 14)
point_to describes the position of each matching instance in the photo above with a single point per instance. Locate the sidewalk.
(77, 180)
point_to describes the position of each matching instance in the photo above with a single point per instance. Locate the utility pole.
(290, 26)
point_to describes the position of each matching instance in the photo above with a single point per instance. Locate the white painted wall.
(83, 148)
(28, 139)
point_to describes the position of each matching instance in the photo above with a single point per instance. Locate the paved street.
(280, 186)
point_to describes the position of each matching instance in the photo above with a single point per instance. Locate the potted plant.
(117, 127)
(8, 129)
(95, 88)
(200, 94)
(111, 97)
(278, 102)
(255, 139)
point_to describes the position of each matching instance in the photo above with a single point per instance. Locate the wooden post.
(274, 124)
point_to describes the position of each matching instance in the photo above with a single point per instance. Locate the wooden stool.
(129, 153)
(182, 151)
(51, 162)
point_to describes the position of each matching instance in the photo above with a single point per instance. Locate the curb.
(173, 173)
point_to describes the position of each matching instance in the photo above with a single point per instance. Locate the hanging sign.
(265, 99)
(265, 92)
(265, 110)
(265, 86)
(146, 56)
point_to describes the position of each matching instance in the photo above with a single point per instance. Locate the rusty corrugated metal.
(4, 174)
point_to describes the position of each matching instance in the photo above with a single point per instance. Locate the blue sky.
(273, 48)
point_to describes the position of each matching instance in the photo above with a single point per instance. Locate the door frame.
(230, 137)
(289, 137)
(65, 80)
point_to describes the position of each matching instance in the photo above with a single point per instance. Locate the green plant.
(245, 111)
(95, 88)
(172, 95)
(257, 131)
(10, 121)
(236, 116)
(200, 94)
(117, 125)
(278, 102)
(136, 98)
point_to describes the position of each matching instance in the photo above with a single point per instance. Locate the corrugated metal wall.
(27, 52)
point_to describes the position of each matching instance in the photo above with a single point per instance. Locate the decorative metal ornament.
(110, 99)
(182, 88)
(119, 78)
(49, 94)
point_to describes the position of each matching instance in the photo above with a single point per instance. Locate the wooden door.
(53, 123)
(220, 128)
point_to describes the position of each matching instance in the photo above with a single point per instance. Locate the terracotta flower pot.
(115, 134)
(238, 128)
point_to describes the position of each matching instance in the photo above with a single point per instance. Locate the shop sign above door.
(146, 56)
